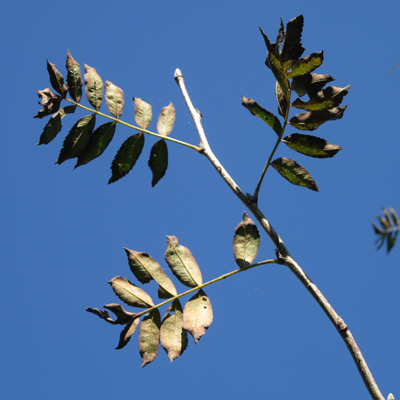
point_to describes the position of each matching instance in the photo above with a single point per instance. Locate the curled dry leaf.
(114, 99)
(56, 79)
(127, 332)
(173, 337)
(49, 101)
(93, 87)
(130, 293)
(74, 78)
(182, 263)
(166, 120)
(197, 315)
(149, 336)
(310, 84)
(143, 113)
(145, 268)
(246, 242)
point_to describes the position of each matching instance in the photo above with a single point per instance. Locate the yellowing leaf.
(143, 113)
(130, 293)
(182, 263)
(74, 78)
(246, 242)
(149, 336)
(166, 120)
(197, 315)
(114, 99)
(93, 87)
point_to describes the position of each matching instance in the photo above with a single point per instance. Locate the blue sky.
(63, 230)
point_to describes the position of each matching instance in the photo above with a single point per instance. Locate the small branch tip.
(178, 73)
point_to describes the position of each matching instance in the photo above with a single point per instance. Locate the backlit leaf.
(173, 337)
(197, 315)
(143, 113)
(145, 268)
(306, 65)
(127, 156)
(182, 263)
(310, 145)
(294, 173)
(329, 97)
(77, 138)
(166, 120)
(281, 99)
(310, 84)
(246, 242)
(56, 79)
(53, 126)
(263, 114)
(49, 101)
(149, 336)
(98, 142)
(74, 78)
(292, 48)
(313, 119)
(114, 99)
(158, 161)
(130, 293)
(127, 332)
(93, 87)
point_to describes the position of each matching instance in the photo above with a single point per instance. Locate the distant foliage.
(388, 230)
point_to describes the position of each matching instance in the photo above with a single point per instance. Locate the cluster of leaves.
(195, 317)
(389, 230)
(295, 74)
(84, 142)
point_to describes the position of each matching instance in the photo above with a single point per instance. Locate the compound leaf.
(114, 99)
(56, 79)
(311, 145)
(143, 113)
(74, 78)
(158, 161)
(173, 337)
(166, 120)
(294, 173)
(246, 242)
(145, 268)
(306, 65)
(313, 119)
(53, 126)
(265, 115)
(98, 142)
(93, 87)
(197, 315)
(182, 263)
(149, 336)
(127, 156)
(329, 97)
(130, 293)
(77, 138)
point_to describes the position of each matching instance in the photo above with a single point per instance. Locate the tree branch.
(282, 252)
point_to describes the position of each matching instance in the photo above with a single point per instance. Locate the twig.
(282, 251)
